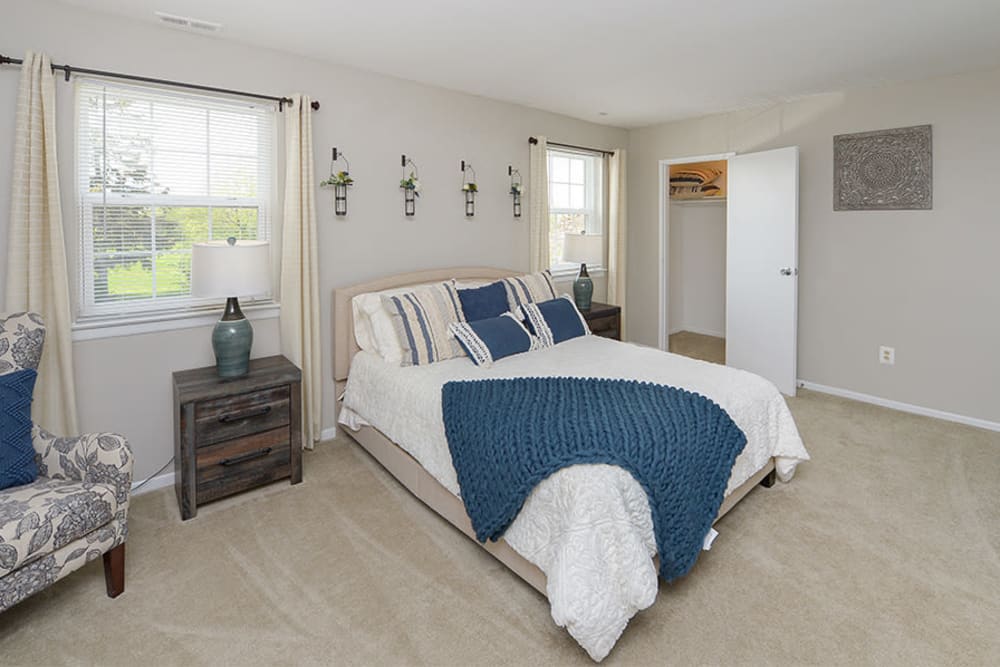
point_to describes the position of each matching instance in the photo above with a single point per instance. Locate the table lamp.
(583, 248)
(231, 269)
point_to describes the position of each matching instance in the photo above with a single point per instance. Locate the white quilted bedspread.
(588, 527)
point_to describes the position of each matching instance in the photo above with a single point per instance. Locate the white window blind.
(159, 171)
(576, 200)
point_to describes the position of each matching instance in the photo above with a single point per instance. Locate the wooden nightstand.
(604, 320)
(234, 435)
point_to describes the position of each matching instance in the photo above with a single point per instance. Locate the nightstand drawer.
(238, 465)
(597, 325)
(244, 414)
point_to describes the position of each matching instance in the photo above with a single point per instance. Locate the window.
(159, 171)
(576, 201)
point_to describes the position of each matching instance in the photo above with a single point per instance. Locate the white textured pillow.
(363, 333)
(373, 328)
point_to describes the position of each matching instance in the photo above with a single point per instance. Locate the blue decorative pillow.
(482, 303)
(555, 320)
(486, 341)
(17, 455)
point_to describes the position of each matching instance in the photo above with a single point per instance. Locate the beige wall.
(697, 280)
(124, 384)
(924, 282)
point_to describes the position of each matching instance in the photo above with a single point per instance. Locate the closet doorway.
(729, 261)
(697, 265)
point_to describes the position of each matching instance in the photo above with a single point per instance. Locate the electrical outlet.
(887, 355)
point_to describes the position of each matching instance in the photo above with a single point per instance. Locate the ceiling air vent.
(187, 23)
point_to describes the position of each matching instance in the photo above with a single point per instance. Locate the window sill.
(562, 275)
(164, 322)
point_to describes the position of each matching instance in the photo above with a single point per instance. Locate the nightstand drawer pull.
(246, 457)
(234, 417)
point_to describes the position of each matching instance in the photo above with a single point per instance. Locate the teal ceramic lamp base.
(583, 289)
(232, 339)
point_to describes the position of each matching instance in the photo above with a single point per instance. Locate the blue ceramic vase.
(583, 289)
(232, 339)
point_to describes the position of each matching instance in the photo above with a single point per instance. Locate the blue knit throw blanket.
(506, 436)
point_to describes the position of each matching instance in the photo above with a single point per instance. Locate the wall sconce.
(340, 181)
(470, 189)
(516, 188)
(410, 186)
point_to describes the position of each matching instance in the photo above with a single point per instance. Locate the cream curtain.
(538, 206)
(36, 253)
(299, 293)
(617, 231)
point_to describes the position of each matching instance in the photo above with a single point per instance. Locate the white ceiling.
(639, 61)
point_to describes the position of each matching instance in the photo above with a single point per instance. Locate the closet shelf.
(699, 202)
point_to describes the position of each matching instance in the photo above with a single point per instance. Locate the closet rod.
(69, 69)
(532, 140)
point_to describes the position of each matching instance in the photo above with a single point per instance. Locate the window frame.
(594, 210)
(93, 319)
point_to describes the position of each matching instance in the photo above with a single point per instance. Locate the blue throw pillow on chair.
(486, 341)
(555, 320)
(17, 454)
(482, 303)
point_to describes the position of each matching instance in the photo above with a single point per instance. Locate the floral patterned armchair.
(77, 508)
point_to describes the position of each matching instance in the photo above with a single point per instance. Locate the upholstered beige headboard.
(344, 344)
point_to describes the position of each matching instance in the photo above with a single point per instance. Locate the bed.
(394, 413)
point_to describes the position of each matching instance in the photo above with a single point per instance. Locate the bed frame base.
(432, 493)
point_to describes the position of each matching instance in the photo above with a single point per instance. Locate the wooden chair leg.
(114, 571)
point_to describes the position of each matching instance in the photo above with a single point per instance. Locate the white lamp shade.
(583, 248)
(222, 270)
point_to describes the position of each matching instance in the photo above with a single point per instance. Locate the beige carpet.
(699, 346)
(883, 550)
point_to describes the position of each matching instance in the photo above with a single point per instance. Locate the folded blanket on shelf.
(694, 176)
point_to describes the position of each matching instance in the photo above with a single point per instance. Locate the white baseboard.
(898, 405)
(158, 482)
(328, 433)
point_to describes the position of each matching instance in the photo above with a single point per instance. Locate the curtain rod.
(532, 140)
(69, 69)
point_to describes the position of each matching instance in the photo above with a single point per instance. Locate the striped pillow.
(529, 288)
(421, 319)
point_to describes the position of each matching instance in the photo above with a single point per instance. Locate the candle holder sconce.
(470, 188)
(410, 185)
(339, 181)
(516, 188)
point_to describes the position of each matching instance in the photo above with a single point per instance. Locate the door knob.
(788, 271)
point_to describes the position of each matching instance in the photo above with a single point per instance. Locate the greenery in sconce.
(515, 188)
(411, 183)
(470, 187)
(340, 178)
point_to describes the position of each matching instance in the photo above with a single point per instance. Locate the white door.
(762, 249)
